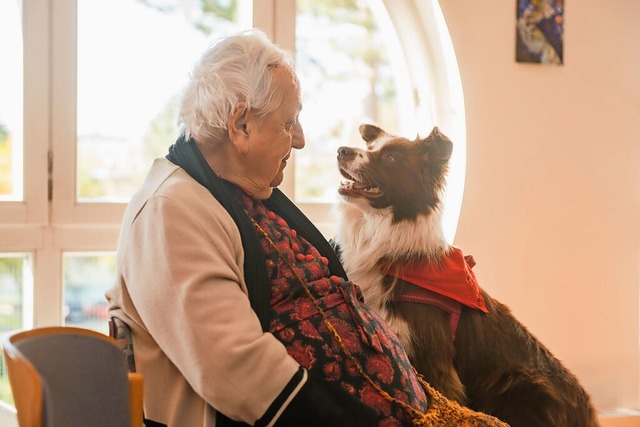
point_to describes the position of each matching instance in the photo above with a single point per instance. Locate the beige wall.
(551, 207)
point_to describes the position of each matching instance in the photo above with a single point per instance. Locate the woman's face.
(274, 135)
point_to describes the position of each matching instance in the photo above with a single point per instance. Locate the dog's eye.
(390, 158)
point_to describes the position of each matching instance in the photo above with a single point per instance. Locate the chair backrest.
(66, 376)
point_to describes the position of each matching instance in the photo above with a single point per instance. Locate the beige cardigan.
(180, 287)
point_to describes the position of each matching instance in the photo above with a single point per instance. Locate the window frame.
(32, 209)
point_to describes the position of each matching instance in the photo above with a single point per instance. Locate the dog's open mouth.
(358, 187)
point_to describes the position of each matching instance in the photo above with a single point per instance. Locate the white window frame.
(33, 208)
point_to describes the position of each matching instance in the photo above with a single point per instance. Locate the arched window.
(387, 62)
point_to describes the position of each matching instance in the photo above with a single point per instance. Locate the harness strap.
(419, 295)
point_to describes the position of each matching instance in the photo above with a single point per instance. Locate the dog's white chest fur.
(369, 239)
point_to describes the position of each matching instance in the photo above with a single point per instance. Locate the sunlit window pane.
(16, 302)
(134, 57)
(10, 101)
(86, 277)
(351, 71)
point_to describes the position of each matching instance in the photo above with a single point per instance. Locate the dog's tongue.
(359, 185)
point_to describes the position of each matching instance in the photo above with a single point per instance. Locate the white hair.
(233, 69)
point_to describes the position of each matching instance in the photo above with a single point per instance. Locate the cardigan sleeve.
(182, 267)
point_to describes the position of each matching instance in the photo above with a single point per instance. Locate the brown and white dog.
(464, 342)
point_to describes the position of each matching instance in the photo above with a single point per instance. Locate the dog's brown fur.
(391, 216)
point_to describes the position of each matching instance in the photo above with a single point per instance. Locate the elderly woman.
(237, 304)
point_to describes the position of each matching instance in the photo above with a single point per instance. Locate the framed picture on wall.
(540, 31)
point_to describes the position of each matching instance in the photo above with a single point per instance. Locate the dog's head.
(404, 176)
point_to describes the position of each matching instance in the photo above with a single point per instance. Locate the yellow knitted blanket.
(443, 412)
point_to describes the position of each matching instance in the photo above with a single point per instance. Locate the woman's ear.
(238, 125)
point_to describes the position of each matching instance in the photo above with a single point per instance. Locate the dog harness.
(447, 285)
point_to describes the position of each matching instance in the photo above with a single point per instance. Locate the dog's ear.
(438, 147)
(370, 133)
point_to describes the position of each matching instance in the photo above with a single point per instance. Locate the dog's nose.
(346, 152)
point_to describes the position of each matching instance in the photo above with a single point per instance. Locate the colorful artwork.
(540, 31)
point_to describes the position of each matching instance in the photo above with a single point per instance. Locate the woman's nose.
(297, 140)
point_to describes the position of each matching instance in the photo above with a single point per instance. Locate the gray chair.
(71, 377)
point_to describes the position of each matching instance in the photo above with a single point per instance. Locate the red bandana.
(452, 278)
